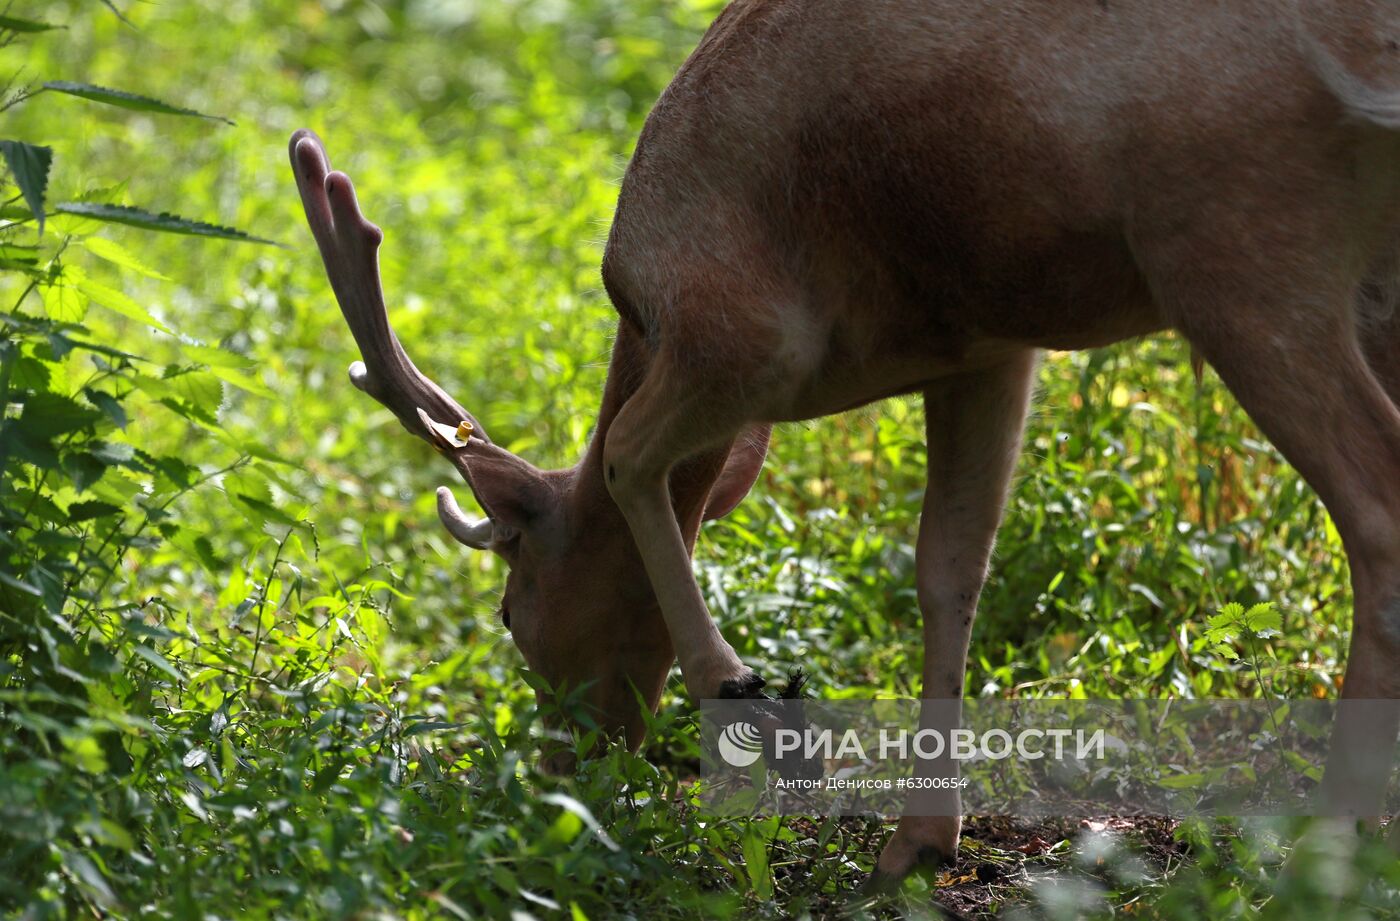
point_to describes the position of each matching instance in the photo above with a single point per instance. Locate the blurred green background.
(260, 681)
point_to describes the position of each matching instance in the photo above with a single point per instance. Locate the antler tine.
(481, 535)
(349, 247)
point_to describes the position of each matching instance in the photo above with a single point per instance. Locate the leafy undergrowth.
(243, 674)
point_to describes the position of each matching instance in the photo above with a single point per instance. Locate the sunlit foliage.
(245, 675)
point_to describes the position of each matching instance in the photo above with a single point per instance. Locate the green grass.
(285, 693)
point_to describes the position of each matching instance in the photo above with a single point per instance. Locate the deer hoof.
(746, 687)
(769, 715)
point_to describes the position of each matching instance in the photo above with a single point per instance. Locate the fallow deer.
(838, 201)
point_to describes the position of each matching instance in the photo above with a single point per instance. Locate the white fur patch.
(1374, 97)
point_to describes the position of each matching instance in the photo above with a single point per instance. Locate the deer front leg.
(974, 425)
(663, 423)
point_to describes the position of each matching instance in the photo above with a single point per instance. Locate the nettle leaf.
(192, 413)
(123, 99)
(16, 24)
(204, 551)
(216, 357)
(31, 374)
(195, 395)
(19, 255)
(1264, 618)
(243, 382)
(108, 404)
(29, 164)
(267, 512)
(163, 222)
(119, 255)
(83, 469)
(63, 301)
(199, 389)
(85, 511)
(173, 469)
(114, 453)
(47, 415)
(29, 447)
(118, 302)
(21, 265)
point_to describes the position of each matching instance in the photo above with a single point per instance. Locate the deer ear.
(739, 473)
(511, 491)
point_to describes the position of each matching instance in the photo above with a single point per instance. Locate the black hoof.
(770, 714)
(749, 687)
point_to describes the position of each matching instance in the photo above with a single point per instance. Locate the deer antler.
(349, 247)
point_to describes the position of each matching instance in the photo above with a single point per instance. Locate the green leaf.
(19, 584)
(117, 302)
(426, 725)
(163, 222)
(15, 24)
(216, 357)
(755, 847)
(124, 100)
(83, 469)
(90, 877)
(30, 374)
(115, 253)
(24, 266)
(1182, 781)
(243, 382)
(574, 807)
(1263, 618)
(114, 453)
(156, 659)
(198, 389)
(49, 414)
(108, 404)
(266, 511)
(63, 301)
(29, 164)
(204, 550)
(17, 253)
(83, 511)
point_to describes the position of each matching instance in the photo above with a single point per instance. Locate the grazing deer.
(838, 201)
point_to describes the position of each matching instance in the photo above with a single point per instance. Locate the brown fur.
(840, 200)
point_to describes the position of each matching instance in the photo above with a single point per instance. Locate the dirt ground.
(1000, 859)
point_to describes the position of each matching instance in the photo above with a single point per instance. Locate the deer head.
(577, 601)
